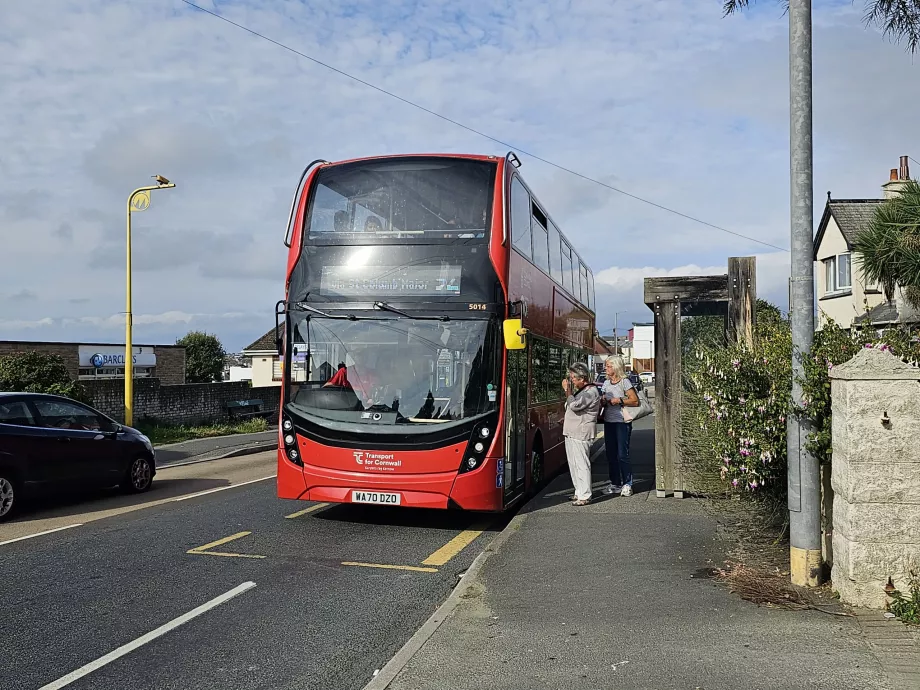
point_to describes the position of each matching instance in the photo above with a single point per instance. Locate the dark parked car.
(635, 380)
(49, 443)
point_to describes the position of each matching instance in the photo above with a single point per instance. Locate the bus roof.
(464, 156)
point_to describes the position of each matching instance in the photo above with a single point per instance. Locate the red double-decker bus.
(432, 308)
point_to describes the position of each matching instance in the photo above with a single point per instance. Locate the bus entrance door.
(515, 424)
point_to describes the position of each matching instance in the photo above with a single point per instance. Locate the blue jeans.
(616, 445)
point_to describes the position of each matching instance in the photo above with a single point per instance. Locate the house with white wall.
(265, 364)
(844, 295)
(642, 337)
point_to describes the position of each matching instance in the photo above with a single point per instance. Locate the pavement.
(216, 447)
(210, 581)
(618, 595)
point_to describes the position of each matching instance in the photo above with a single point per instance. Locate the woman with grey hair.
(582, 405)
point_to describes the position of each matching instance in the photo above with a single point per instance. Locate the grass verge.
(161, 434)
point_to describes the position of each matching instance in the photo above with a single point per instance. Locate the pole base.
(805, 567)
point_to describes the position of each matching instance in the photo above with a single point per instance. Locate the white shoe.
(612, 490)
(627, 490)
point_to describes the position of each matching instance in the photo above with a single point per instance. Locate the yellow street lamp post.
(138, 201)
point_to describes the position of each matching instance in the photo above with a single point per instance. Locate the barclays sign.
(114, 357)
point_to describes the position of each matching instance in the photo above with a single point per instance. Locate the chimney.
(896, 179)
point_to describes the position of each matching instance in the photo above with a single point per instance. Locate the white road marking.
(149, 637)
(223, 488)
(38, 534)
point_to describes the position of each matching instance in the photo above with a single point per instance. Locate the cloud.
(117, 321)
(24, 295)
(674, 104)
(64, 231)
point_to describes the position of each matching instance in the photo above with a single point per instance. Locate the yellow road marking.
(452, 548)
(305, 511)
(203, 550)
(230, 555)
(413, 568)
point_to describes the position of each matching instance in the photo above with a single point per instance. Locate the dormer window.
(837, 274)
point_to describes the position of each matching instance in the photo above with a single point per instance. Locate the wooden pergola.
(733, 296)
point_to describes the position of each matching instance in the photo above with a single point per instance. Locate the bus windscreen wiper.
(386, 307)
(319, 312)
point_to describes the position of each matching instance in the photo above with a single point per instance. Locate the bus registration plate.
(375, 497)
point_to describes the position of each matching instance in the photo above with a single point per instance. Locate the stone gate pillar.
(875, 474)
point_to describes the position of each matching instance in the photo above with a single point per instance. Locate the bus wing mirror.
(515, 335)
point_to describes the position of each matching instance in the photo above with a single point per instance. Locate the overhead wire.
(478, 132)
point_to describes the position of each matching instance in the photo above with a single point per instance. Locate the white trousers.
(577, 454)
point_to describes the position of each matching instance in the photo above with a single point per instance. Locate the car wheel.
(9, 500)
(139, 477)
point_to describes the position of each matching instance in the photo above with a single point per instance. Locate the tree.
(888, 251)
(38, 372)
(708, 332)
(204, 357)
(898, 19)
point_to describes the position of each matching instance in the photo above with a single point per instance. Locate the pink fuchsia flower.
(734, 482)
(736, 363)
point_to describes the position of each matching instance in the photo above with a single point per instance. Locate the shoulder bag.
(631, 414)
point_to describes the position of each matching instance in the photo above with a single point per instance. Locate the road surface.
(210, 581)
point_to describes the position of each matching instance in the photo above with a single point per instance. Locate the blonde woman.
(618, 392)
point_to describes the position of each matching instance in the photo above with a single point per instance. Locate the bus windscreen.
(384, 371)
(414, 200)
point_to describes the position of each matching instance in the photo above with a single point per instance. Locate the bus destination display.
(396, 281)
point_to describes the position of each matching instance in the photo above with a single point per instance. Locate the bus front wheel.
(536, 468)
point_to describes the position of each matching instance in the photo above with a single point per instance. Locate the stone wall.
(193, 403)
(875, 475)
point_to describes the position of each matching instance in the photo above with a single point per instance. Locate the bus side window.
(520, 217)
(567, 275)
(555, 253)
(590, 290)
(584, 285)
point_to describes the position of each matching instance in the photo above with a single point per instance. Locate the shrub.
(39, 372)
(745, 394)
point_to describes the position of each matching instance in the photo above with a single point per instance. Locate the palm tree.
(898, 19)
(889, 249)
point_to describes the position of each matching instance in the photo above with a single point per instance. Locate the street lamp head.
(162, 181)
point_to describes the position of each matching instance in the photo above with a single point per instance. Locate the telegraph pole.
(804, 480)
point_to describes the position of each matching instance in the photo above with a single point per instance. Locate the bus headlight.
(471, 463)
(485, 431)
(479, 447)
(289, 439)
(293, 454)
(287, 425)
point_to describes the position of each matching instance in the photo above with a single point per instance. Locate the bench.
(247, 409)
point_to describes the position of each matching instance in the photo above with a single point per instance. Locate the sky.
(673, 103)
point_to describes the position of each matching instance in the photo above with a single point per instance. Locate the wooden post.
(742, 300)
(667, 398)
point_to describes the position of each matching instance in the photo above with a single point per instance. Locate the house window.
(276, 369)
(843, 272)
(837, 273)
